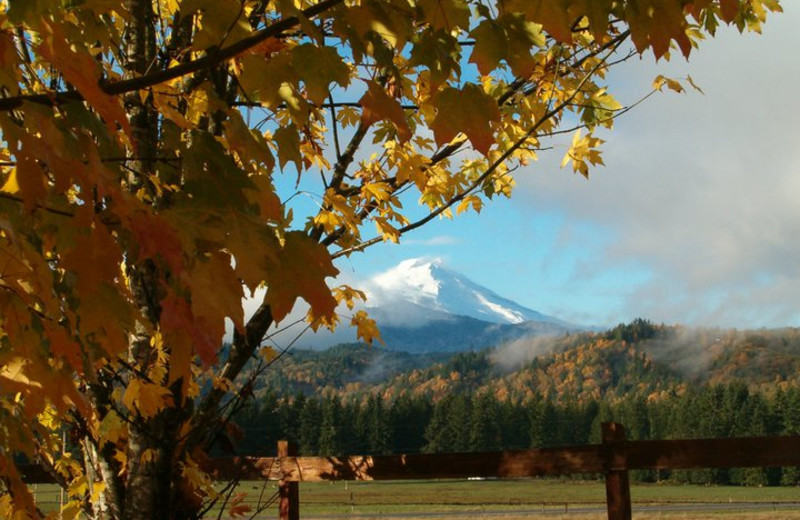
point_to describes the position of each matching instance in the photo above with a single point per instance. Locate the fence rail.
(613, 458)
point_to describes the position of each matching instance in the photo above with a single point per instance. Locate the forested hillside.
(660, 382)
(639, 358)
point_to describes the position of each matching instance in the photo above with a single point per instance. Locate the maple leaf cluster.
(154, 157)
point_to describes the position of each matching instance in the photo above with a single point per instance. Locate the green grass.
(343, 498)
(366, 498)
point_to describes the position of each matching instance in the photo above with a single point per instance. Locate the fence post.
(618, 490)
(289, 492)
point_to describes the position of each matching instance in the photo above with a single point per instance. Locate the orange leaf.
(729, 9)
(300, 273)
(217, 293)
(366, 328)
(94, 259)
(377, 105)
(63, 346)
(238, 507)
(554, 15)
(27, 181)
(185, 333)
(81, 70)
(156, 237)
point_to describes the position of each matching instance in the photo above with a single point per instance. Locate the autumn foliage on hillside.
(637, 359)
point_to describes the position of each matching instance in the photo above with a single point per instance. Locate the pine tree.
(308, 439)
(515, 425)
(379, 433)
(330, 435)
(484, 433)
(458, 418)
(789, 410)
(409, 418)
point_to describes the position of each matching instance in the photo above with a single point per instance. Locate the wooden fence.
(614, 457)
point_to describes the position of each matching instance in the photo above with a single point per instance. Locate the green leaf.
(262, 77)
(249, 144)
(221, 22)
(318, 67)
(211, 176)
(445, 14)
(378, 19)
(469, 110)
(27, 11)
(439, 52)
(288, 141)
(510, 38)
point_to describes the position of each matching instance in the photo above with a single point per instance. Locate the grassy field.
(361, 499)
(509, 499)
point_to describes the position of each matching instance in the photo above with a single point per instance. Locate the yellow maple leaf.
(111, 429)
(145, 397)
(366, 328)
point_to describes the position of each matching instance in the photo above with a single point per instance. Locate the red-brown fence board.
(613, 458)
(596, 458)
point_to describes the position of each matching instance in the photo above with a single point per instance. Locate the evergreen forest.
(358, 400)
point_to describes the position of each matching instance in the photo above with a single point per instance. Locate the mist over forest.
(659, 381)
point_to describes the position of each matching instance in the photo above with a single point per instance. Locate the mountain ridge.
(634, 359)
(428, 284)
(422, 306)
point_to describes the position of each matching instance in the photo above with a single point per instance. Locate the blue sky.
(695, 218)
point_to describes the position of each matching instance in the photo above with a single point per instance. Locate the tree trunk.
(149, 454)
(150, 486)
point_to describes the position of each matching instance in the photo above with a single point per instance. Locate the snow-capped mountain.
(429, 286)
(421, 306)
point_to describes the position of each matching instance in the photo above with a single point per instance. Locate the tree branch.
(211, 59)
(243, 347)
(340, 169)
(493, 167)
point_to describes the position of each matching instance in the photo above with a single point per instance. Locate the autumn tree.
(152, 155)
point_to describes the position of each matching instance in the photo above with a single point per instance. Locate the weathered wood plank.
(35, 474)
(618, 489)
(506, 464)
(670, 454)
(289, 491)
(709, 453)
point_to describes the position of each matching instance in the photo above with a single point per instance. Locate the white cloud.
(439, 240)
(702, 192)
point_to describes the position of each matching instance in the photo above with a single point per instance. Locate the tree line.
(469, 422)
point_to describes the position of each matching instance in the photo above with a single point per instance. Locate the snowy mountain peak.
(413, 279)
(425, 284)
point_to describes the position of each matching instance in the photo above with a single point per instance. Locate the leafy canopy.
(152, 153)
